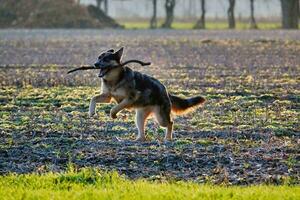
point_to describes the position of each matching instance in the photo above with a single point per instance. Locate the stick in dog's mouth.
(123, 64)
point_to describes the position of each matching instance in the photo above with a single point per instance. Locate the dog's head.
(110, 64)
(108, 61)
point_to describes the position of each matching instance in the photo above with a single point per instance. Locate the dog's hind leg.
(169, 132)
(163, 117)
(140, 119)
(102, 98)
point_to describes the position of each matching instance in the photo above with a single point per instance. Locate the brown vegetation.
(50, 14)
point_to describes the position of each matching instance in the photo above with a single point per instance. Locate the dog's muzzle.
(103, 72)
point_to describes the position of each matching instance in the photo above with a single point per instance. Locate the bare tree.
(230, 13)
(290, 14)
(201, 22)
(153, 22)
(106, 6)
(99, 5)
(169, 6)
(253, 24)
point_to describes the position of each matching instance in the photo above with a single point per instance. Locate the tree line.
(290, 14)
(289, 8)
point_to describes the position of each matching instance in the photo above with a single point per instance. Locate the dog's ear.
(111, 51)
(119, 54)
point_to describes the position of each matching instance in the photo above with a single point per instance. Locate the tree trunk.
(201, 22)
(169, 6)
(290, 9)
(153, 22)
(106, 6)
(253, 24)
(99, 3)
(230, 12)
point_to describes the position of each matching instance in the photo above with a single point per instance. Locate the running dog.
(134, 90)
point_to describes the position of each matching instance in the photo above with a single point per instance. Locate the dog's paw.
(91, 114)
(113, 115)
(168, 139)
(140, 139)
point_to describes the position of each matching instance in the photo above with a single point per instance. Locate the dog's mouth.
(103, 72)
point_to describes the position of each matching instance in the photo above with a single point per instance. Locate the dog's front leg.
(102, 98)
(117, 108)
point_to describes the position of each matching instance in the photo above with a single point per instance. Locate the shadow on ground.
(217, 157)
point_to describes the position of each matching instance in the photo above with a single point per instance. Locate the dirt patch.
(205, 158)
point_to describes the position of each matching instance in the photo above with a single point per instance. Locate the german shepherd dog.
(134, 90)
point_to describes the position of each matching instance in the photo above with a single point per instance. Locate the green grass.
(93, 184)
(209, 25)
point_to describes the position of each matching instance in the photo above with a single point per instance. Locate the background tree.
(153, 21)
(169, 6)
(290, 14)
(253, 24)
(106, 6)
(201, 22)
(99, 5)
(230, 13)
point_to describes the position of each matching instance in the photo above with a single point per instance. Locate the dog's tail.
(183, 106)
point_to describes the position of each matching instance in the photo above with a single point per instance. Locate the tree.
(230, 13)
(290, 13)
(201, 22)
(169, 6)
(153, 22)
(99, 5)
(253, 24)
(106, 6)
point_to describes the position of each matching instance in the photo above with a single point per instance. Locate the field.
(210, 25)
(247, 133)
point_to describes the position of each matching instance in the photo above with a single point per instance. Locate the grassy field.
(209, 25)
(243, 144)
(93, 184)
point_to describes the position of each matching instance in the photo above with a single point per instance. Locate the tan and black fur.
(143, 93)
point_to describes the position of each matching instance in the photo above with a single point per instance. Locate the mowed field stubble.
(246, 133)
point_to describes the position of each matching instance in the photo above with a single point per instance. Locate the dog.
(134, 90)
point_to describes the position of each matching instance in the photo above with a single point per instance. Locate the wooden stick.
(82, 68)
(123, 64)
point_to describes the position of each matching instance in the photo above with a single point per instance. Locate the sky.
(190, 8)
